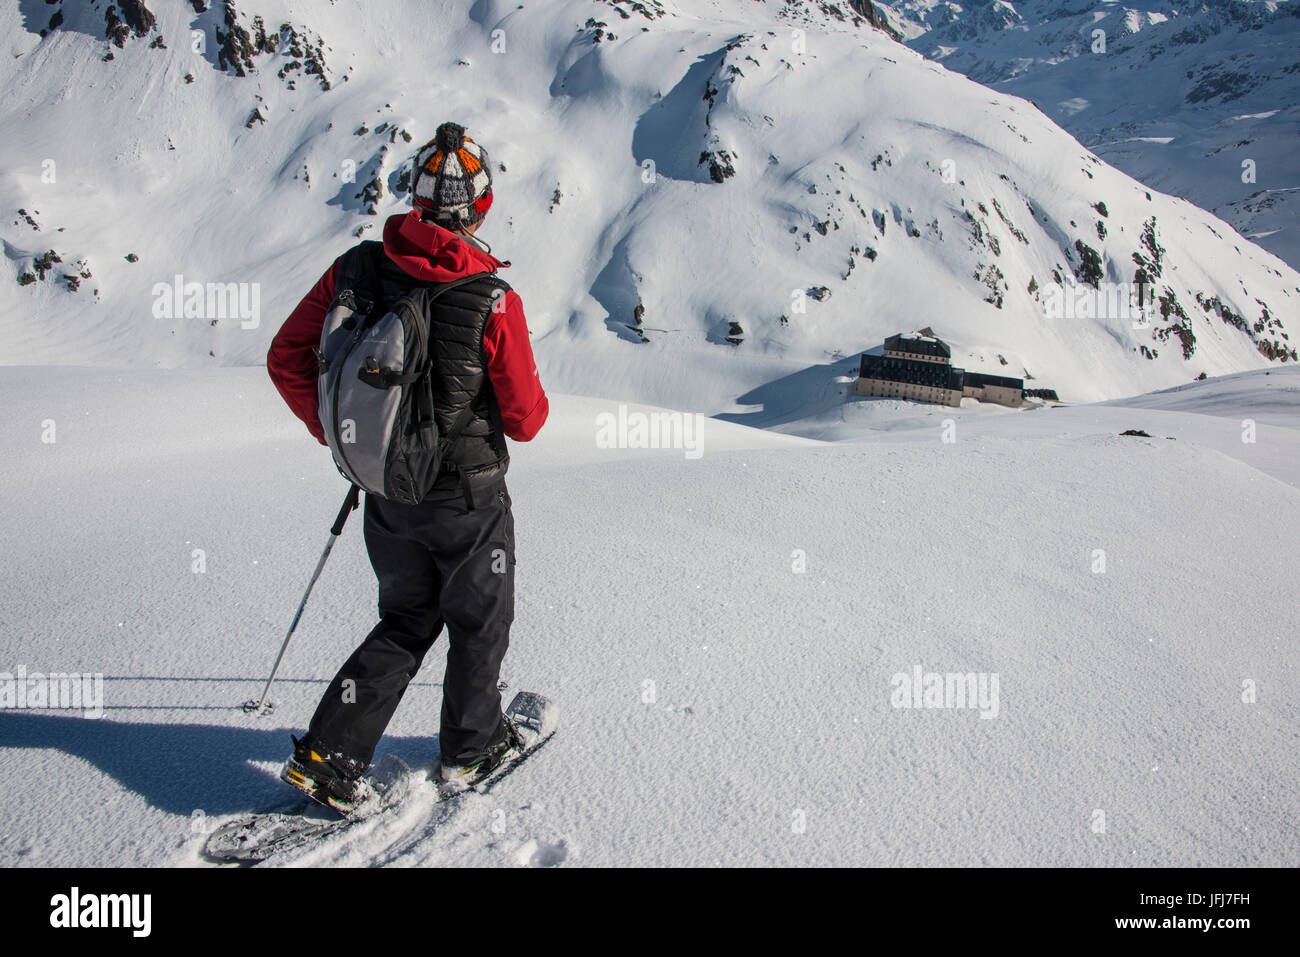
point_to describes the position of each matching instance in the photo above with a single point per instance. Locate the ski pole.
(349, 503)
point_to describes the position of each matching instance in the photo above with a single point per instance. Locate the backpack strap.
(458, 425)
(359, 272)
(380, 378)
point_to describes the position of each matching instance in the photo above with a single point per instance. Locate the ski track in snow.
(1120, 692)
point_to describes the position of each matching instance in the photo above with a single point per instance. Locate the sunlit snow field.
(722, 632)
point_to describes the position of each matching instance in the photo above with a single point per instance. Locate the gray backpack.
(375, 390)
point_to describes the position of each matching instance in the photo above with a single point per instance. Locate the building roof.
(1043, 394)
(918, 344)
(983, 378)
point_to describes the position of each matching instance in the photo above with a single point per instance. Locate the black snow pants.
(439, 562)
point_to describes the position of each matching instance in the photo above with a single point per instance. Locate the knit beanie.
(452, 185)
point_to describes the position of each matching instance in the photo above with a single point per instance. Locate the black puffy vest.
(459, 362)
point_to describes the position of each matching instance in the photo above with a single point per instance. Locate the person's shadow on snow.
(181, 768)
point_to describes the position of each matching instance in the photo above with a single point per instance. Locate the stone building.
(919, 367)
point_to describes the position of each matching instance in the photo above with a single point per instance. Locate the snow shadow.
(37, 15)
(809, 392)
(181, 768)
(615, 289)
(671, 132)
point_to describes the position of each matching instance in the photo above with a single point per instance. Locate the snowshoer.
(450, 559)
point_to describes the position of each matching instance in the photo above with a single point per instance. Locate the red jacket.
(425, 252)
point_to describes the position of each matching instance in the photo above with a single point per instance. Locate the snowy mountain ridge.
(690, 215)
(1199, 98)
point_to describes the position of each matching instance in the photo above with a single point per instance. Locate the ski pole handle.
(349, 503)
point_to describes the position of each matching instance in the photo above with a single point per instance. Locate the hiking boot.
(333, 780)
(464, 773)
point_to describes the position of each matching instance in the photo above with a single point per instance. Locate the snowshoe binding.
(332, 780)
(528, 722)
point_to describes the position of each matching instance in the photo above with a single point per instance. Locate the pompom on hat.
(452, 185)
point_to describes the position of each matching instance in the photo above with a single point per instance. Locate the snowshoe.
(528, 721)
(333, 780)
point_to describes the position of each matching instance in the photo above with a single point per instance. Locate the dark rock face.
(235, 45)
(867, 10)
(137, 16)
(1228, 84)
(45, 263)
(721, 167)
(403, 184)
(371, 194)
(114, 29)
(1090, 270)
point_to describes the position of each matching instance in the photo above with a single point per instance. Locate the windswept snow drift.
(720, 706)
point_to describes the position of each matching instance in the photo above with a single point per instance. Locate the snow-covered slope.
(776, 184)
(1198, 98)
(724, 634)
